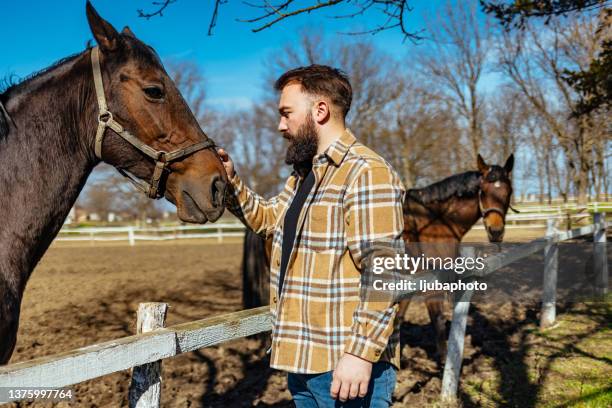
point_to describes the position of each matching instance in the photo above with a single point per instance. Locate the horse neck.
(439, 212)
(45, 163)
(469, 211)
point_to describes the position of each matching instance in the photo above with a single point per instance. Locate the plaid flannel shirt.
(357, 199)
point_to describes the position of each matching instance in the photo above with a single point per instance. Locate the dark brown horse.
(48, 128)
(442, 212)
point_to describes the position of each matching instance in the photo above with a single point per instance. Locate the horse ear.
(482, 166)
(105, 34)
(126, 30)
(509, 163)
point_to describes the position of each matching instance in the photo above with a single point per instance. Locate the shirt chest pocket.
(324, 228)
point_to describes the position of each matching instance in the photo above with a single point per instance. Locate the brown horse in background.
(48, 148)
(441, 212)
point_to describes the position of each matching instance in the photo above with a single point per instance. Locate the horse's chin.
(495, 237)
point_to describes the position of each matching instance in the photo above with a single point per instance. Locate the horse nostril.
(217, 191)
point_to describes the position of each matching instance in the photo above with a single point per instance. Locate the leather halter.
(162, 158)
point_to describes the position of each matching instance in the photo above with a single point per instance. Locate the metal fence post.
(456, 339)
(548, 313)
(145, 389)
(600, 256)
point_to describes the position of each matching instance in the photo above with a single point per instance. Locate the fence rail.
(133, 234)
(220, 231)
(90, 362)
(94, 361)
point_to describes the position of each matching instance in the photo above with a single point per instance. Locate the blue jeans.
(312, 390)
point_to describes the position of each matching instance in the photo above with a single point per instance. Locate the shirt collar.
(339, 148)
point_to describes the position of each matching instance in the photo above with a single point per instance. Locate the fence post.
(456, 339)
(145, 389)
(131, 236)
(548, 313)
(600, 256)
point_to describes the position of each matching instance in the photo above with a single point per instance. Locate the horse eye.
(154, 92)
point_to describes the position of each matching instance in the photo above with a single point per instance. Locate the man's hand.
(350, 378)
(227, 162)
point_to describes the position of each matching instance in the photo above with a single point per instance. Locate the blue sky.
(37, 33)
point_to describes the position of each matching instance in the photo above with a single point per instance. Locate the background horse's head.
(145, 101)
(494, 196)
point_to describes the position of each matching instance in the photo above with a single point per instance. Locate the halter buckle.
(161, 156)
(105, 117)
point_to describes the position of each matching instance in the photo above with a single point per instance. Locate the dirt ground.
(81, 295)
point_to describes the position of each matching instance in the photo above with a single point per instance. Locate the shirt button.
(377, 353)
(277, 261)
(274, 299)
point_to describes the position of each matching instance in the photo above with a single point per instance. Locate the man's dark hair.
(321, 80)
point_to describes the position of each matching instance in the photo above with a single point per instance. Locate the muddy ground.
(80, 295)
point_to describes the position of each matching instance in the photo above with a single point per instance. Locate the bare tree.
(535, 60)
(268, 14)
(454, 62)
(505, 122)
(518, 12)
(189, 79)
(257, 148)
(421, 129)
(101, 198)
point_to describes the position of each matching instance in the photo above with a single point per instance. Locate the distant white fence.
(529, 217)
(132, 234)
(144, 351)
(535, 216)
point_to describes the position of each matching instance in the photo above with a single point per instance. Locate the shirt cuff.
(235, 180)
(363, 347)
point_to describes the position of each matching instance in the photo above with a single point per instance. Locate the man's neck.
(328, 135)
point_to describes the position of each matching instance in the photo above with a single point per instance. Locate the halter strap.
(162, 158)
(485, 211)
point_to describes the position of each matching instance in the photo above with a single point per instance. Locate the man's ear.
(321, 112)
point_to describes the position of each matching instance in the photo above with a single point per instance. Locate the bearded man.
(338, 348)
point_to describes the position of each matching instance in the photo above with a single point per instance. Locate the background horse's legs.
(435, 308)
(403, 306)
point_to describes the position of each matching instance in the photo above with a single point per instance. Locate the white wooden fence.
(132, 234)
(530, 217)
(146, 349)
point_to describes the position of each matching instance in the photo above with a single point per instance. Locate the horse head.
(494, 196)
(145, 128)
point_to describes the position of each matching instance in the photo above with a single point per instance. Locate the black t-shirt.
(290, 225)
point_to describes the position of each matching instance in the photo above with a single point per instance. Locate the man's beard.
(303, 147)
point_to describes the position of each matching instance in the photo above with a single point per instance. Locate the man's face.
(297, 125)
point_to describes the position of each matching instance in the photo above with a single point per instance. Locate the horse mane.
(9, 85)
(459, 185)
